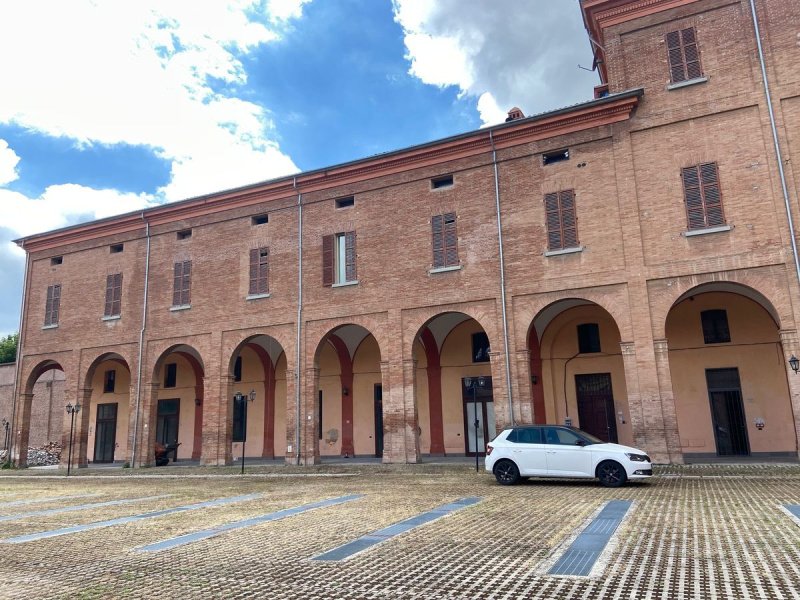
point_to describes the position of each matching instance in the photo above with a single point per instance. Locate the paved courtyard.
(690, 532)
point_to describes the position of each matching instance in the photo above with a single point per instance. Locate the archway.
(579, 373)
(454, 386)
(728, 375)
(258, 364)
(40, 416)
(106, 412)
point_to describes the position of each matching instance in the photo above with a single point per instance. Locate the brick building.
(626, 263)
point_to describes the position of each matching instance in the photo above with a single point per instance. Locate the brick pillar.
(309, 440)
(400, 425)
(527, 412)
(500, 394)
(292, 383)
(145, 445)
(131, 418)
(21, 430)
(268, 450)
(634, 399)
(410, 415)
(668, 411)
(80, 450)
(791, 346)
(199, 402)
(434, 377)
(217, 421)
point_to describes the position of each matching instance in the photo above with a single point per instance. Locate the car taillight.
(489, 449)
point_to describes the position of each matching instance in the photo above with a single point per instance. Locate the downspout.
(775, 139)
(141, 343)
(299, 313)
(12, 434)
(502, 280)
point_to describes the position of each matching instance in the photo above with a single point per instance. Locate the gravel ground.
(693, 532)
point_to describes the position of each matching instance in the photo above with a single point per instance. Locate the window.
(444, 181)
(445, 240)
(684, 55)
(345, 202)
(260, 220)
(715, 326)
(182, 284)
(548, 158)
(113, 295)
(525, 435)
(117, 248)
(339, 258)
(562, 228)
(170, 375)
(52, 306)
(702, 196)
(184, 234)
(480, 347)
(56, 260)
(109, 381)
(239, 409)
(237, 369)
(588, 338)
(562, 437)
(259, 271)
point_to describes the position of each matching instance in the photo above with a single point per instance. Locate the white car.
(560, 451)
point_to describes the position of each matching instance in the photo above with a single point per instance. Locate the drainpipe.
(141, 342)
(775, 139)
(20, 339)
(299, 313)
(502, 279)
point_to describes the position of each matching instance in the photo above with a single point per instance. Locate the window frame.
(182, 284)
(170, 375)
(587, 334)
(259, 271)
(444, 240)
(477, 347)
(339, 259)
(702, 195)
(109, 381)
(715, 326)
(52, 308)
(677, 55)
(113, 304)
(560, 216)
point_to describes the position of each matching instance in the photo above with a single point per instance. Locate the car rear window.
(525, 435)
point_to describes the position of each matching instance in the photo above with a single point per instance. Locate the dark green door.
(378, 420)
(105, 433)
(727, 412)
(167, 423)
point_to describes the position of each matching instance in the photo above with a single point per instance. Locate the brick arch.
(113, 356)
(484, 316)
(39, 369)
(233, 342)
(22, 413)
(193, 356)
(762, 288)
(376, 327)
(262, 354)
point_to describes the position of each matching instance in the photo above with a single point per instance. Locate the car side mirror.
(580, 443)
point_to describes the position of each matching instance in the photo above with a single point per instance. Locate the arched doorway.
(105, 416)
(350, 394)
(259, 364)
(40, 414)
(729, 375)
(454, 386)
(578, 368)
(176, 410)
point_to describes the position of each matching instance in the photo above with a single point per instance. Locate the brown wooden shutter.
(186, 292)
(437, 222)
(56, 305)
(263, 271)
(712, 199)
(450, 240)
(702, 196)
(177, 284)
(48, 307)
(553, 222)
(116, 295)
(350, 256)
(253, 289)
(684, 55)
(561, 220)
(327, 260)
(691, 54)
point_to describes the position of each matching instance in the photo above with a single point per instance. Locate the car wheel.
(611, 474)
(506, 472)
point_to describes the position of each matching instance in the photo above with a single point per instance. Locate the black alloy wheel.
(611, 474)
(506, 472)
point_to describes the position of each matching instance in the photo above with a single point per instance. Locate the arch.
(478, 314)
(351, 335)
(106, 356)
(732, 288)
(40, 369)
(22, 418)
(184, 350)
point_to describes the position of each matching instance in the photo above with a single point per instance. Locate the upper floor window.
(562, 223)
(52, 305)
(113, 295)
(116, 248)
(259, 219)
(445, 181)
(715, 326)
(588, 338)
(259, 271)
(445, 240)
(480, 347)
(182, 284)
(109, 381)
(345, 202)
(170, 375)
(56, 260)
(684, 55)
(339, 258)
(184, 234)
(702, 196)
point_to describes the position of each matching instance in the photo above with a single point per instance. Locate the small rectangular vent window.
(444, 181)
(184, 234)
(56, 260)
(260, 220)
(117, 248)
(345, 202)
(548, 158)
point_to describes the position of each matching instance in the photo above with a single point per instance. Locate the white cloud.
(146, 73)
(8, 163)
(521, 54)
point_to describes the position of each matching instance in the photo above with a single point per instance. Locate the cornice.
(596, 113)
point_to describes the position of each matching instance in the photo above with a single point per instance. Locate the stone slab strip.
(219, 529)
(77, 507)
(365, 542)
(21, 539)
(50, 499)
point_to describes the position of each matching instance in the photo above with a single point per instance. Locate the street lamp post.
(473, 385)
(71, 411)
(6, 425)
(240, 397)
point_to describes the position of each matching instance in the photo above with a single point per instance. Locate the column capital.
(523, 355)
(661, 345)
(788, 337)
(627, 348)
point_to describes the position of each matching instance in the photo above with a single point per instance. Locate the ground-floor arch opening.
(105, 418)
(257, 368)
(577, 370)
(455, 404)
(39, 403)
(729, 376)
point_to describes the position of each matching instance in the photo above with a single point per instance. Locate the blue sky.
(111, 107)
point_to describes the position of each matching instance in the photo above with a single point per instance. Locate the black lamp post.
(6, 425)
(794, 362)
(240, 397)
(71, 411)
(473, 385)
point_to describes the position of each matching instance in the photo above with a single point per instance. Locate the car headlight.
(637, 457)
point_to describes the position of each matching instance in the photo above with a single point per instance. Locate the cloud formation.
(8, 163)
(504, 56)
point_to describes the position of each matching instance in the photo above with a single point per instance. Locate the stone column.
(668, 410)
(791, 347)
(21, 430)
